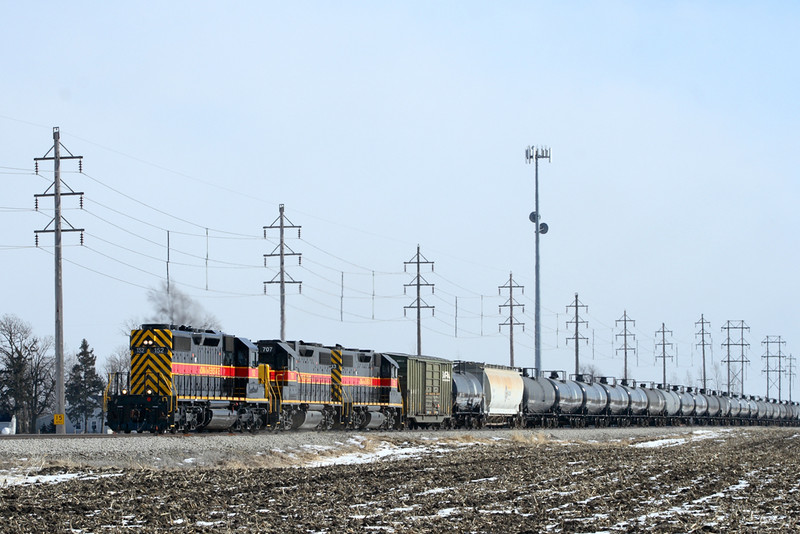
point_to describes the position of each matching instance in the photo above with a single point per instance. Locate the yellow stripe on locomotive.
(151, 362)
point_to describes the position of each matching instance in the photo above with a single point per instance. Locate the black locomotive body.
(184, 379)
(321, 387)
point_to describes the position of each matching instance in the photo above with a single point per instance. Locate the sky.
(670, 193)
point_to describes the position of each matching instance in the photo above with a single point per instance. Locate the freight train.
(184, 379)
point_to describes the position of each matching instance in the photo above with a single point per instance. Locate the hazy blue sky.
(671, 193)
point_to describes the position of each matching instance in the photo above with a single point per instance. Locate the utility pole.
(735, 376)
(773, 340)
(790, 374)
(664, 354)
(703, 343)
(577, 337)
(58, 417)
(418, 281)
(282, 248)
(511, 322)
(625, 335)
(534, 154)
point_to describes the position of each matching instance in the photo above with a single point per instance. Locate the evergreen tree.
(84, 386)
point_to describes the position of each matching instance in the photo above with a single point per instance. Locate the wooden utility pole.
(56, 158)
(418, 282)
(282, 249)
(510, 322)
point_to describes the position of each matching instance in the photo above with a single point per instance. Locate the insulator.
(298, 233)
(81, 238)
(300, 289)
(37, 167)
(36, 203)
(265, 233)
(299, 260)
(265, 288)
(80, 165)
(37, 239)
(265, 263)
(81, 202)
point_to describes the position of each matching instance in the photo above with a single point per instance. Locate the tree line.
(28, 376)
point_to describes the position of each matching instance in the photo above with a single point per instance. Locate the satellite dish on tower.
(543, 228)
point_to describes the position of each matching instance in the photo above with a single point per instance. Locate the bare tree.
(588, 369)
(27, 385)
(118, 362)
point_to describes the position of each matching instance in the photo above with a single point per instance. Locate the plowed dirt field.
(712, 480)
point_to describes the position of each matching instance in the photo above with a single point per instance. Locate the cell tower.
(511, 322)
(532, 155)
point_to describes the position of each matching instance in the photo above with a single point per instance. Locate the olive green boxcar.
(426, 383)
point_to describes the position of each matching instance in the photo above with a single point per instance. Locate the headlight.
(124, 391)
(149, 391)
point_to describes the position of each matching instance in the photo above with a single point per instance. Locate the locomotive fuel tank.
(618, 399)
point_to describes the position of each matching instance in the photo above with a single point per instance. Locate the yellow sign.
(58, 419)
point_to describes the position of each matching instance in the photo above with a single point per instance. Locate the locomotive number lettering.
(154, 350)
